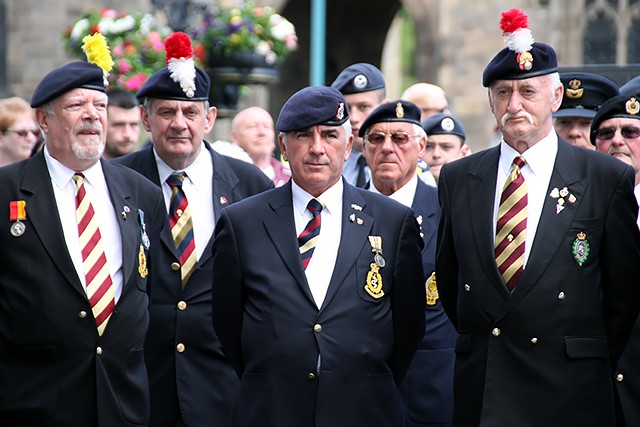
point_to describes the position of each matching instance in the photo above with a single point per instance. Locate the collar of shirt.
(405, 194)
(331, 199)
(198, 172)
(61, 175)
(540, 157)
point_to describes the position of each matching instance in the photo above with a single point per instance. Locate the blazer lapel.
(280, 227)
(426, 214)
(354, 235)
(554, 224)
(129, 225)
(42, 212)
(481, 189)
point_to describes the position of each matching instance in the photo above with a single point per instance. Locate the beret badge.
(574, 91)
(360, 81)
(340, 111)
(632, 106)
(399, 110)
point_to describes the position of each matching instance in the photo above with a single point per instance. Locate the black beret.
(443, 124)
(395, 111)
(623, 106)
(311, 106)
(358, 78)
(73, 75)
(510, 65)
(584, 93)
(161, 86)
(632, 87)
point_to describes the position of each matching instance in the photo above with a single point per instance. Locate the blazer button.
(99, 350)
(317, 327)
(619, 378)
(180, 348)
(175, 266)
(467, 287)
(182, 305)
(82, 314)
(311, 376)
(495, 332)
(534, 340)
(561, 296)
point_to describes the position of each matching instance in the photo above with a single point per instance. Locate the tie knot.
(315, 206)
(519, 162)
(362, 162)
(78, 177)
(176, 179)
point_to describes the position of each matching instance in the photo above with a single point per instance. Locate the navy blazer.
(196, 381)
(54, 368)
(542, 355)
(302, 366)
(427, 390)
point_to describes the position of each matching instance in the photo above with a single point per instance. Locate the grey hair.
(346, 126)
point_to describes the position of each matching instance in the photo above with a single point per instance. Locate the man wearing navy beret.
(538, 257)
(445, 141)
(584, 94)
(74, 257)
(616, 131)
(363, 87)
(192, 382)
(394, 141)
(318, 290)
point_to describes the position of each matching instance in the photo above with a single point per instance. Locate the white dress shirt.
(320, 268)
(64, 190)
(405, 194)
(198, 188)
(537, 172)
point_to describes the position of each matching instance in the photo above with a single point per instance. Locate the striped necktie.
(182, 227)
(100, 289)
(511, 229)
(308, 239)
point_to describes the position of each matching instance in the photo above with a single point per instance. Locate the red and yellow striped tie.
(100, 289)
(511, 229)
(182, 227)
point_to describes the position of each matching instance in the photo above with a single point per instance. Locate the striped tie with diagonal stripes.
(308, 239)
(511, 229)
(100, 289)
(182, 227)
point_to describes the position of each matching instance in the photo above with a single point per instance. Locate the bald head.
(430, 98)
(252, 129)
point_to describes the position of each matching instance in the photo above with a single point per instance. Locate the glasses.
(398, 138)
(628, 132)
(25, 132)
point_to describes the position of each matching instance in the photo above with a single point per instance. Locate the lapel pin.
(359, 221)
(352, 217)
(356, 207)
(572, 198)
(555, 193)
(223, 200)
(125, 211)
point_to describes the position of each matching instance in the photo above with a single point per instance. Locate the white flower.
(104, 26)
(282, 29)
(147, 23)
(263, 48)
(79, 29)
(123, 25)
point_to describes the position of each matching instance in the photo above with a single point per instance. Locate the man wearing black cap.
(616, 132)
(192, 382)
(363, 87)
(74, 254)
(318, 293)
(584, 93)
(537, 273)
(394, 141)
(445, 141)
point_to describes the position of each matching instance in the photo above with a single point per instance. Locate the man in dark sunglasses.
(616, 131)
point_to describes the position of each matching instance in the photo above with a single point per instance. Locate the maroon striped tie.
(511, 229)
(100, 289)
(308, 239)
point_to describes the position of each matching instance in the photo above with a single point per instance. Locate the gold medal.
(17, 213)
(431, 289)
(374, 282)
(142, 263)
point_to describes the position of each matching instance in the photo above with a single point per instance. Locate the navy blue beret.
(632, 87)
(584, 93)
(73, 75)
(358, 78)
(623, 106)
(161, 86)
(395, 111)
(443, 124)
(311, 106)
(509, 65)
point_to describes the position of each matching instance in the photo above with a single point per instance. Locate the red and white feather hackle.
(514, 24)
(179, 59)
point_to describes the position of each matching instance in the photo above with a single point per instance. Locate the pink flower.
(135, 82)
(124, 66)
(156, 41)
(109, 13)
(118, 51)
(258, 11)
